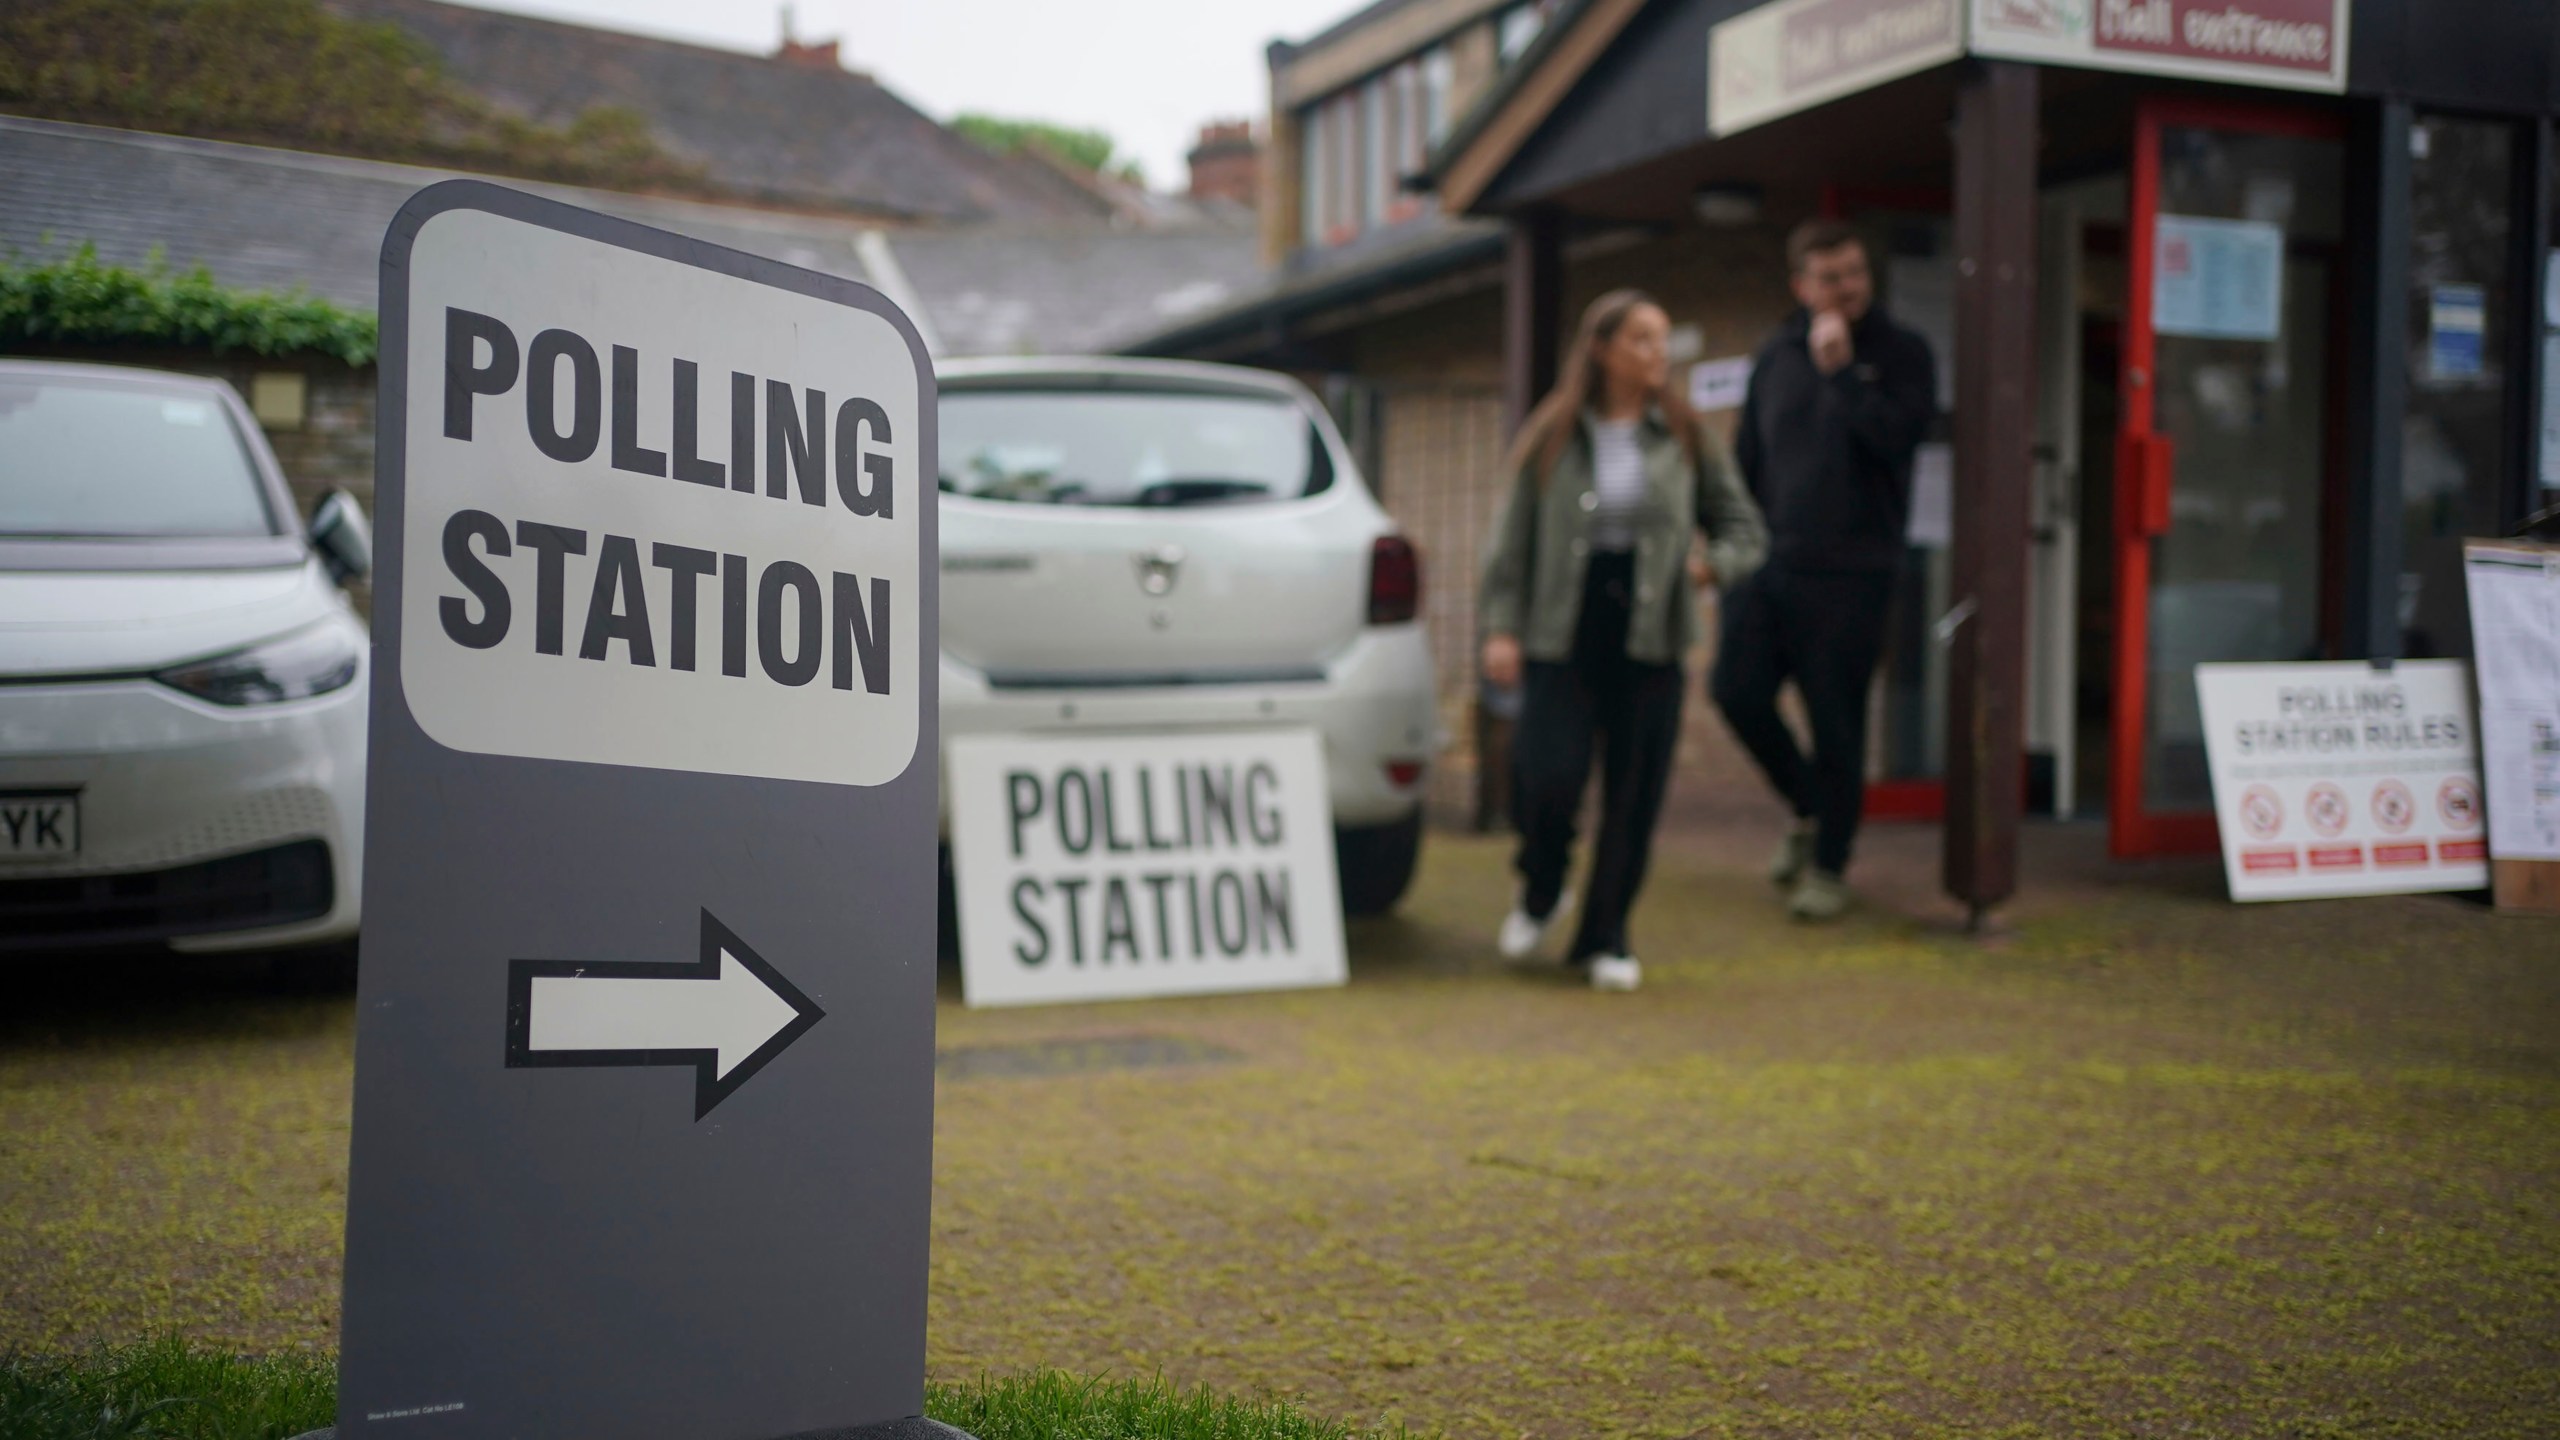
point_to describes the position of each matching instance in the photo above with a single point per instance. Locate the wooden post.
(1532, 312)
(1995, 425)
(2379, 198)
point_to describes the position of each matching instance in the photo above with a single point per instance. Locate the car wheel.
(1376, 863)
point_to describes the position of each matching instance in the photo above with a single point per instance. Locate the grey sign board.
(644, 1061)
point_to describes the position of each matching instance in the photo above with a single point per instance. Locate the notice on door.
(2343, 779)
(2217, 279)
(2515, 632)
(1114, 867)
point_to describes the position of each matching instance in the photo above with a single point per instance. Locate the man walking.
(1839, 399)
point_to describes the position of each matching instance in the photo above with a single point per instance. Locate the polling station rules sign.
(1110, 867)
(2341, 778)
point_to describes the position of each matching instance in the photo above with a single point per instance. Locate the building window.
(1439, 73)
(1311, 175)
(1373, 152)
(1518, 28)
(2453, 437)
(1357, 145)
(1342, 211)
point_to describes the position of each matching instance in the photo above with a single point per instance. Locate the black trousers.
(1825, 631)
(1631, 711)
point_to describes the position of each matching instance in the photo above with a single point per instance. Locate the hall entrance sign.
(644, 1077)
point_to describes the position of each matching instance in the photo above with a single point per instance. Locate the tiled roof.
(1004, 291)
(762, 128)
(276, 219)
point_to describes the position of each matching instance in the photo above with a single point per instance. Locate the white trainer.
(1522, 932)
(1615, 972)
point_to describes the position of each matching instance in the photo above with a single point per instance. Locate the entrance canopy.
(1615, 89)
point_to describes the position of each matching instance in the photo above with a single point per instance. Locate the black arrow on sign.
(725, 1014)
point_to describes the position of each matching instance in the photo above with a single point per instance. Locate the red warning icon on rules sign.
(2261, 812)
(2326, 807)
(2393, 806)
(2458, 803)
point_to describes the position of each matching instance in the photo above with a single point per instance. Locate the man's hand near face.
(1828, 339)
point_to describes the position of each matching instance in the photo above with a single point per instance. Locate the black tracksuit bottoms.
(1632, 710)
(1824, 630)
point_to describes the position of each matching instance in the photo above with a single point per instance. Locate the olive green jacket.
(1534, 565)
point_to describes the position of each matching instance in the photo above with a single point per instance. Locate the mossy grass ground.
(2144, 1163)
(168, 1388)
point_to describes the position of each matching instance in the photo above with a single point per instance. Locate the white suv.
(1133, 545)
(182, 721)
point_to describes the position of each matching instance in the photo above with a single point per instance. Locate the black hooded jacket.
(1829, 456)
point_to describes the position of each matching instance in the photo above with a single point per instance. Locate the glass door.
(2225, 455)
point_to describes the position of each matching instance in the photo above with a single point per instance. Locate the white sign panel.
(2344, 779)
(2217, 279)
(1114, 867)
(1720, 384)
(1932, 523)
(660, 535)
(2291, 44)
(2515, 632)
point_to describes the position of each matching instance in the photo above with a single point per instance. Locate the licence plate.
(39, 825)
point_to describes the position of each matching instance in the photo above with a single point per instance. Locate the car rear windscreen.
(1128, 447)
(84, 459)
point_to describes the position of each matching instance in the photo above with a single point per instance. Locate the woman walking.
(1589, 601)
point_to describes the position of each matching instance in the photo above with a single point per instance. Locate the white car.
(1132, 545)
(182, 696)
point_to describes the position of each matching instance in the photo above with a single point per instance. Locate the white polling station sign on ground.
(2344, 779)
(1115, 867)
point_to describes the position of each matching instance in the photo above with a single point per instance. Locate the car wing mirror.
(342, 536)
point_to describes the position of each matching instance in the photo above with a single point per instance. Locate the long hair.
(1579, 385)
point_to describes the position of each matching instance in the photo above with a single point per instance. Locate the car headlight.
(296, 667)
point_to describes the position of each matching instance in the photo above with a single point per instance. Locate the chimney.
(821, 56)
(1226, 164)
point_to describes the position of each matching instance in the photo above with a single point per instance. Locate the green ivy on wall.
(79, 300)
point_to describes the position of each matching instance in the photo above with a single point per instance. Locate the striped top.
(1617, 484)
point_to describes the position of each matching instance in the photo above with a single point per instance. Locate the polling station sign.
(644, 1062)
(2344, 779)
(1114, 867)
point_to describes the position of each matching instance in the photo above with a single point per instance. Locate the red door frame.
(2146, 464)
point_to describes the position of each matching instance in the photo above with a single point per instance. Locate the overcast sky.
(1147, 71)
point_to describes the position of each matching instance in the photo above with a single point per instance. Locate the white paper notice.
(2515, 632)
(1933, 497)
(1719, 384)
(2217, 279)
(2551, 411)
(2336, 778)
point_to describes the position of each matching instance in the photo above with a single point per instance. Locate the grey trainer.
(1819, 896)
(1794, 857)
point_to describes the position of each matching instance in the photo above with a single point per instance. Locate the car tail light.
(1395, 581)
(1402, 774)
